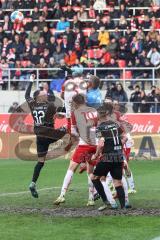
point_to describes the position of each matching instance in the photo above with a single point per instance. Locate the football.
(17, 16)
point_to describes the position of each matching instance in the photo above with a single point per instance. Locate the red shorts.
(127, 152)
(83, 153)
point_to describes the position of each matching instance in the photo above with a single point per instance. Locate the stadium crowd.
(73, 33)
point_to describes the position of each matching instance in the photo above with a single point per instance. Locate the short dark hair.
(79, 99)
(95, 81)
(105, 109)
(35, 94)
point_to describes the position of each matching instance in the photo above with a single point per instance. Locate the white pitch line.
(39, 190)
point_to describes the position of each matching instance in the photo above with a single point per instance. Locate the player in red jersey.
(84, 121)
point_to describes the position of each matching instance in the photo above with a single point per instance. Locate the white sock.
(108, 192)
(125, 186)
(109, 179)
(131, 182)
(66, 182)
(90, 189)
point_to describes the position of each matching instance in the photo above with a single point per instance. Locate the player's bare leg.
(91, 188)
(37, 170)
(66, 182)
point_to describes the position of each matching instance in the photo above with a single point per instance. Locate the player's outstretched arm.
(28, 91)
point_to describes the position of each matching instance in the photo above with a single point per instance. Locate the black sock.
(99, 187)
(121, 196)
(37, 170)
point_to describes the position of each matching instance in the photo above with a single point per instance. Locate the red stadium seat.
(53, 30)
(97, 53)
(127, 75)
(76, 9)
(87, 32)
(121, 63)
(90, 53)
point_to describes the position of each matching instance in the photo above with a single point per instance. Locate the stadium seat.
(122, 63)
(127, 75)
(87, 32)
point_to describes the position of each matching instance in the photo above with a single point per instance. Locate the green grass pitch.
(15, 177)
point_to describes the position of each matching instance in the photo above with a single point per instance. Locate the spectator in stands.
(43, 74)
(155, 23)
(122, 22)
(18, 46)
(70, 58)
(136, 99)
(28, 46)
(79, 37)
(58, 55)
(52, 74)
(98, 23)
(23, 34)
(34, 57)
(77, 48)
(147, 22)
(136, 44)
(34, 36)
(144, 103)
(41, 46)
(51, 45)
(41, 23)
(35, 14)
(117, 34)
(76, 23)
(123, 11)
(57, 11)
(103, 37)
(7, 4)
(152, 34)
(140, 34)
(154, 56)
(154, 99)
(120, 95)
(112, 47)
(111, 91)
(62, 24)
(7, 25)
(46, 34)
(64, 44)
(84, 60)
(102, 73)
(69, 13)
(46, 55)
(93, 38)
(82, 14)
(70, 38)
(106, 55)
(109, 23)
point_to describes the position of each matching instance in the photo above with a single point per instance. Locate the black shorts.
(115, 169)
(43, 145)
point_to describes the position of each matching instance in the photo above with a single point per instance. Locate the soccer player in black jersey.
(43, 112)
(111, 140)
